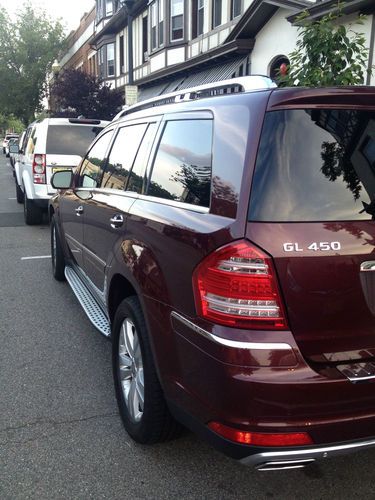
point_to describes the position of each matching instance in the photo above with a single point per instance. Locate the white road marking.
(12, 198)
(36, 257)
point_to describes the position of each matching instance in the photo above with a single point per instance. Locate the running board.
(88, 303)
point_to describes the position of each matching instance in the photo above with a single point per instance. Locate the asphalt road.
(60, 432)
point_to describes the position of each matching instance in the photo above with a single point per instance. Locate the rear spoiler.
(84, 120)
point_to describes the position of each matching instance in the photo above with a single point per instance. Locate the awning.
(224, 71)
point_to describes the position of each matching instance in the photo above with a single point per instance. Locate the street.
(60, 432)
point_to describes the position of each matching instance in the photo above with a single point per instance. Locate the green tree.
(28, 46)
(76, 93)
(327, 53)
(10, 122)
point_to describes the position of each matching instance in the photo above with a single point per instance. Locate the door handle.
(368, 266)
(117, 221)
(79, 210)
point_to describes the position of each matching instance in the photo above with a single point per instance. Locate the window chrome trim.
(177, 204)
(279, 346)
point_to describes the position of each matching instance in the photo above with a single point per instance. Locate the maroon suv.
(225, 239)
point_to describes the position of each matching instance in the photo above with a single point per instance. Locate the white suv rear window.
(70, 139)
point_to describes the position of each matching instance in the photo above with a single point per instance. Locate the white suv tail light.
(39, 169)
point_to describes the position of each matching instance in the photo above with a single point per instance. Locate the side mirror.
(62, 179)
(13, 148)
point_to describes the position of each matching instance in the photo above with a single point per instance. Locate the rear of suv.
(6, 141)
(224, 238)
(47, 146)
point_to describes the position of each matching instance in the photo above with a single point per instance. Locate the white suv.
(49, 145)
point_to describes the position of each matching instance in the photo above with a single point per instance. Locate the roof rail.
(234, 85)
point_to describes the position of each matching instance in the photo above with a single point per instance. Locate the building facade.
(178, 44)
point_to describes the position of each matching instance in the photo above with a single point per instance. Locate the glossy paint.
(156, 251)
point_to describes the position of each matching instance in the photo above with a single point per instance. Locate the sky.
(70, 11)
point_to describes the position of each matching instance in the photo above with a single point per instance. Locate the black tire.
(57, 254)
(19, 193)
(32, 213)
(156, 424)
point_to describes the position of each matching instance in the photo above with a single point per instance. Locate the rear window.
(315, 165)
(70, 139)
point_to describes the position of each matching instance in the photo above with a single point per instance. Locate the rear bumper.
(299, 458)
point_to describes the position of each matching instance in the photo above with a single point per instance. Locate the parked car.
(49, 145)
(6, 140)
(13, 148)
(226, 244)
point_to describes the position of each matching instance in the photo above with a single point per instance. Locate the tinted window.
(93, 164)
(122, 156)
(182, 167)
(70, 139)
(136, 175)
(315, 165)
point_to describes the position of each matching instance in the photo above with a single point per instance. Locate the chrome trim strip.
(231, 343)
(177, 204)
(368, 266)
(260, 459)
(359, 379)
(85, 249)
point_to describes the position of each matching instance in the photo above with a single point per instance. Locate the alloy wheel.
(131, 370)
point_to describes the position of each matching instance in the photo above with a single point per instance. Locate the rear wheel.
(140, 398)
(19, 193)
(57, 254)
(33, 214)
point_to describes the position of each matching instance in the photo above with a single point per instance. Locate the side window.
(136, 175)
(122, 156)
(31, 141)
(182, 167)
(93, 164)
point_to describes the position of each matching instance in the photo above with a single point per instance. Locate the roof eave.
(235, 47)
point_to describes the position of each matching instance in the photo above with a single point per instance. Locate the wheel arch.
(120, 288)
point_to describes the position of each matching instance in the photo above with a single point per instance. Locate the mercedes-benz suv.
(224, 237)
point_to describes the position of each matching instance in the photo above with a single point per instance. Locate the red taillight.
(237, 286)
(39, 169)
(261, 439)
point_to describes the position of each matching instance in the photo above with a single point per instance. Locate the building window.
(144, 39)
(177, 20)
(216, 13)
(122, 56)
(108, 8)
(235, 8)
(197, 18)
(101, 62)
(111, 59)
(161, 22)
(278, 64)
(157, 24)
(106, 61)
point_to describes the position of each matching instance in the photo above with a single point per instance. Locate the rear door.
(106, 212)
(312, 208)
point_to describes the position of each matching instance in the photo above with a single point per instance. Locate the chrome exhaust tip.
(285, 464)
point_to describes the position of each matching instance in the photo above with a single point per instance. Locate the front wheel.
(140, 398)
(57, 253)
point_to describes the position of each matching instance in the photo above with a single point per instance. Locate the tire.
(19, 193)
(57, 253)
(149, 421)
(32, 213)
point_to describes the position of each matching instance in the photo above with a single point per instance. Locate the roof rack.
(234, 85)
